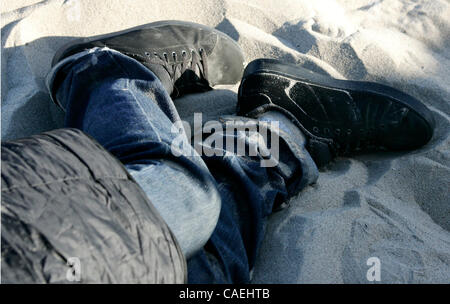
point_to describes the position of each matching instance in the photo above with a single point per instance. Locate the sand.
(393, 206)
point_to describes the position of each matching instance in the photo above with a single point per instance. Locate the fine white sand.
(395, 207)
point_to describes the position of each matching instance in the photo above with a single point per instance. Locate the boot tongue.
(162, 75)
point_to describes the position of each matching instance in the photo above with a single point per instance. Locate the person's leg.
(122, 104)
(121, 97)
(250, 190)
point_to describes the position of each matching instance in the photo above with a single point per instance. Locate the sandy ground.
(395, 207)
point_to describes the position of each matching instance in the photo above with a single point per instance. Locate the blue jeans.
(217, 205)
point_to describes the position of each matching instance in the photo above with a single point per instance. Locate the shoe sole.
(323, 84)
(77, 42)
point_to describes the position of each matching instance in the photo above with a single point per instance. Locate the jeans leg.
(249, 192)
(122, 104)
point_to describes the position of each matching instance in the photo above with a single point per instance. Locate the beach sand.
(392, 206)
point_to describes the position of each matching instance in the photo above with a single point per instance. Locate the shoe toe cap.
(412, 132)
(226, 62)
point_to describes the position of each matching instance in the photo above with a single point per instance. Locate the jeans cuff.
(52, 74)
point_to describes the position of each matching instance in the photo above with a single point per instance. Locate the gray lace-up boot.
(186, 57)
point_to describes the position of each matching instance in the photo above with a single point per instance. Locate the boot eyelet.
(147, 54)
(316, 129)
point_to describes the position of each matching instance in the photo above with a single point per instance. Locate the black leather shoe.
(339, 117)
(186, 57)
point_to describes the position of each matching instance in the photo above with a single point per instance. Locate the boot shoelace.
(177, 68)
